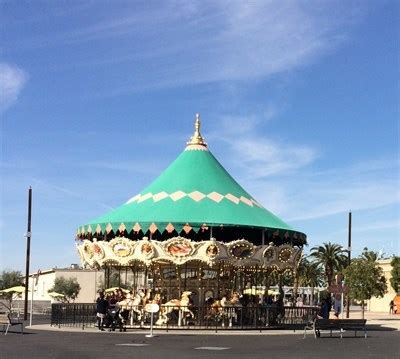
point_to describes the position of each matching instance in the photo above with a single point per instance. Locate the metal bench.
(337, 324)
(7, 321)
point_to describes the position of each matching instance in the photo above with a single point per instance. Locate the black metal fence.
(201, 317)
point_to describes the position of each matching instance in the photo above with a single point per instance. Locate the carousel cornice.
(100, 229)
(122, 251)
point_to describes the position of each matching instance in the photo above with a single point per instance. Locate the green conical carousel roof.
(194, 190)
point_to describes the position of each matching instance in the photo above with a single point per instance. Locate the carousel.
(192, 235)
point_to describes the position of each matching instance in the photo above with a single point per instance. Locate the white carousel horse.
(132, 303)
(182, 305)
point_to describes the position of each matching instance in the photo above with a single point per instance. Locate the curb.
(47, 327)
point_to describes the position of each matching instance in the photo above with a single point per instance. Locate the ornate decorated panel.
(179, 250)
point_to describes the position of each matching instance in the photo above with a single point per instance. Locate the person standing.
(324, 309)
(101, 310)
(391, 307)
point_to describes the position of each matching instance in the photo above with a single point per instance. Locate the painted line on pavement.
(132, 345)
(211, 348)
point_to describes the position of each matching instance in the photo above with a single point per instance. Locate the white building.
(382, 304)
(89, 280)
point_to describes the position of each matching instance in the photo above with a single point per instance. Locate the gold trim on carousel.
(179, 250)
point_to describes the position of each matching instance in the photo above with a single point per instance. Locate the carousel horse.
(233, 302)
(214, 309)
(132, 303)
(146, 297)
(219, 305)
(182, 305)
(156, 299)
(225, 309)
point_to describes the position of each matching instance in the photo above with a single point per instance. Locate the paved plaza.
(38, 342)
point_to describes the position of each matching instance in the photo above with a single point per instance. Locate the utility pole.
(348, 263)
(28, 252)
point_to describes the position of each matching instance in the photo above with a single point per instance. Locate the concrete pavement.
(374, 320)
(382, 343)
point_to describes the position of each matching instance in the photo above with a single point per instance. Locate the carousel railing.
(193, 317)
(73, 314)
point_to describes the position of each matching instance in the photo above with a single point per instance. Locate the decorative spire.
(197, 139)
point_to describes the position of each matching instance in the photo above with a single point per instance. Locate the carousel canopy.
(194, 191)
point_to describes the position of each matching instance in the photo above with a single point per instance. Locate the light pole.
(28, 253)
(34, 284)
(31, 307)
(348, 263)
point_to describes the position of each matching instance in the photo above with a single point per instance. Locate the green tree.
(296, 278)
(395, 272)
(307, 274)
(9, 279)
(114, 280)
(69, 287)
(365, 280)
(370, 255)
(332, 257)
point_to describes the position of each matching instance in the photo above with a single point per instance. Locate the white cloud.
(378, 225)
(264, 158)
(176, 43)
(258, 156)
(311, 195)
(245, 40)
(286, 178)
(12, 81)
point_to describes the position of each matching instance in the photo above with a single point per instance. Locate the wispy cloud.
(258, 156)
(376, 226)
(311, 195)
(54, 191)
(138, 167)
(246, 40)
(287, 178)
(12, 81)
(185, 43)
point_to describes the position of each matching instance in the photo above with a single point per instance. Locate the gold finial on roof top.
(197, 139)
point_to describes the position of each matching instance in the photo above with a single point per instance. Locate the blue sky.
(299, 101)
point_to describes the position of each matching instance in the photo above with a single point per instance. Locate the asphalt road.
(381, 343)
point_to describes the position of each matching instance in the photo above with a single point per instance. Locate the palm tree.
(369, 255)
(331, 257)
(310, 275)
(296, 278)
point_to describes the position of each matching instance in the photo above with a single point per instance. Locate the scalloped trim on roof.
(84, 231)
(196, 196)
(196, 148)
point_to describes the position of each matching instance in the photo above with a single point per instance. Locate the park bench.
(7, 321)
(337, 324)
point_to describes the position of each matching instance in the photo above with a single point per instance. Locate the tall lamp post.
(28, 253)
(348, 263)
